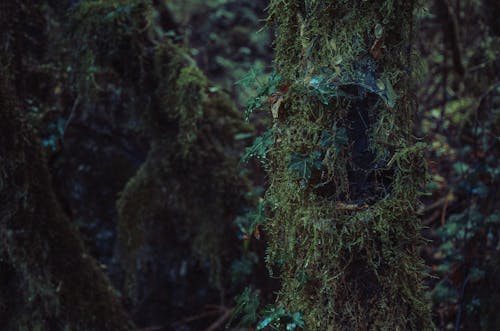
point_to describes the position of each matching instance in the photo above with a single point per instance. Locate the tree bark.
(344, 170)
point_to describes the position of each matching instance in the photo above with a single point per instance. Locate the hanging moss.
(344, 171)
(175, 214)
(48, 281)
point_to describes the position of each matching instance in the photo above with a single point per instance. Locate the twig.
(444, 200)
(443, 212)
(210, 310)
(224, 317)
(71, 115)
(196, 317)
(432, 218)
(461, 306)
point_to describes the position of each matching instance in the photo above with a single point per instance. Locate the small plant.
(276, 318)
(263, 89)
(247, 304)
(304, 164)
(260, 147)
(328, 86)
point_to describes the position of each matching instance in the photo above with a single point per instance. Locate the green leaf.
(379, 30)
(260, 147)
(247, 304)
(493, 219)
(279, 317)
(461, 168)
(301, 164)
(241, 136)
(341, 138)
(328, 86)
(265, 322)
(326, 139)
(263, 90)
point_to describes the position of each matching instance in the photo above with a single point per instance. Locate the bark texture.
(344, 170)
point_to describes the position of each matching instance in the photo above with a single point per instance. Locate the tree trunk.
(175, 216)
(344, 170)
(47, 281)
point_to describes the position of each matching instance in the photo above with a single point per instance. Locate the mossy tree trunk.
(175, 216)
(176, 213)
(344, 170)
(47, 281)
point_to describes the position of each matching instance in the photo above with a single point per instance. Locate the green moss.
(176, 213)
(350, 227)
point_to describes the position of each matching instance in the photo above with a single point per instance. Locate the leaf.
(265, 322)
(247, 304)
(379, 30)
(250, 78)
(493, 219)
(243, 135)
(248, 224)
(390, 94)
(300, 164)
(297, 321)
(326, 139)
(341, 138)
(260, 147)
(263, 90)
(328, 86)
(304, 165)
(277, 317)
(460, 168)
(276, 107)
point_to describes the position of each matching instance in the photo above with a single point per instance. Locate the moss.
(350, 226)
(176, 213)
(188, 190)
(53, 283)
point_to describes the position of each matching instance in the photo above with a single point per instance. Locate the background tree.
(175, 214)
(48, 282)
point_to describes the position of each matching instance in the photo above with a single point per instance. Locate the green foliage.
(263, 89)
(339, 139)
(326, 87)
(260, 147)
(247, 310)
(304, 165)
(467, 252)
(254, 217)
(247, 305)
(278, 318)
